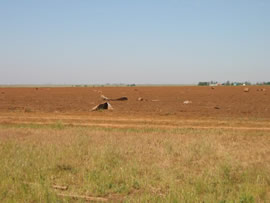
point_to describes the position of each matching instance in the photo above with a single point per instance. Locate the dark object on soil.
(104, 106)
(117, 99)
(120, 99)
(216, 107)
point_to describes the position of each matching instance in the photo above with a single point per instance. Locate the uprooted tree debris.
(117, 99)
(104, 106)
(107, 105)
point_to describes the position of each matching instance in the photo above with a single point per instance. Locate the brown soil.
(225, 102)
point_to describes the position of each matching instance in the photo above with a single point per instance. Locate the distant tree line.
(263, 83)
(207, 83)
(228, 83)
(203, 83)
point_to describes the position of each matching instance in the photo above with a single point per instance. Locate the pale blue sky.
(139, 41)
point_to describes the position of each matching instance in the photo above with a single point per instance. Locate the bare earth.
(218, 107)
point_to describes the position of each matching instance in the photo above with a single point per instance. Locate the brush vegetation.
(131, 165)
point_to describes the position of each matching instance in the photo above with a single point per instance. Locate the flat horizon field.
(215, 148)
(210, 102)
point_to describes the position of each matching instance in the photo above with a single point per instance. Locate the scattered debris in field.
(2, 92)
(83, 197)
(140, 99)
(104, 98)
(98, 91)
(120, 99)
(60, 187)
(187, 102)
(246, 89)
(117, 99)
(261, 90)
(212, 88)
(104, 106)
(217, 107)
(155, 100)
(73, 196)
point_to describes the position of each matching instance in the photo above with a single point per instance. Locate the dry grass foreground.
(133, 164)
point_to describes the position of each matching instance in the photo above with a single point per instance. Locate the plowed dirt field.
(161, 106)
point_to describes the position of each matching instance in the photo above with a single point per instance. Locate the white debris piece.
(187, 102)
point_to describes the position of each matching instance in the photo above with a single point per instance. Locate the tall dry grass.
(134, 165)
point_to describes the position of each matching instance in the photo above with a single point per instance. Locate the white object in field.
(187, 102)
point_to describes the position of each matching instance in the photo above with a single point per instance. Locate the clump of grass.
(28, 110)
(59, 125)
